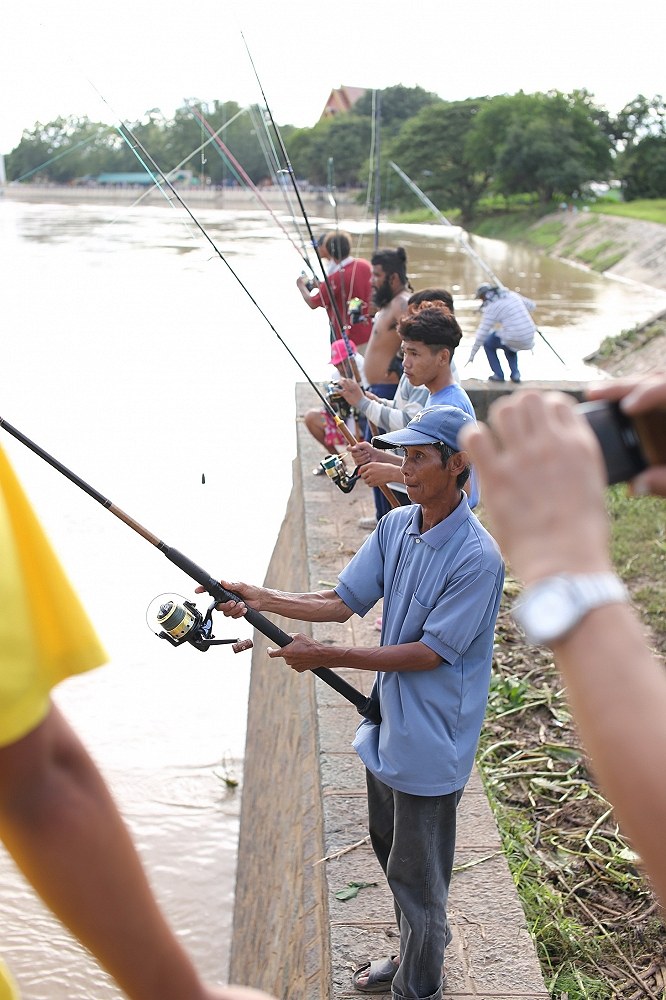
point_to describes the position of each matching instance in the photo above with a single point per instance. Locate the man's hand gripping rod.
(367, 707)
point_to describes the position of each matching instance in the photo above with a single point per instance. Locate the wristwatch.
(549, 609)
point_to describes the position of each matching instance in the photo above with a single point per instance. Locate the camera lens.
(618, 438)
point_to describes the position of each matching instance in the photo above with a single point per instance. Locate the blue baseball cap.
(434, 425)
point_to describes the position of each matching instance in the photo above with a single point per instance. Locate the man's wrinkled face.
(425, 476)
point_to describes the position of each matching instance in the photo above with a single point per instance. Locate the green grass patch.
(594, 921)
(546, 235)
(420, 215)
(638, 548)
(593, 255)
(648, 210)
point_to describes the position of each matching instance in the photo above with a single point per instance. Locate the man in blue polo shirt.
(440, 575)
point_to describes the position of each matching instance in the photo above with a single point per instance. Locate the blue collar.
(438, 536)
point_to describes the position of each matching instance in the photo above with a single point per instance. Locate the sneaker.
(495, 378)
(515, 378)
(368, 523)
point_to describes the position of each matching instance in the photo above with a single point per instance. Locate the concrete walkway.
(492, 954)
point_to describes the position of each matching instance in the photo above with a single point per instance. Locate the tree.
(544, 144)
(398, 104)
(345, 138)
(644, 169)
(641, 117)
(63, 150)
(432, 148)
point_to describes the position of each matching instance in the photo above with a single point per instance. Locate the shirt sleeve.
(361, 582)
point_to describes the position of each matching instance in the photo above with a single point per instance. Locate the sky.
(116, 60)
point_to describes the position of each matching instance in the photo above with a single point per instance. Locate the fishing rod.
(378, 145)
(247, 179)
(442, 218)
(179, 622)
(464, 244)
(194, 152)
(335, 470)
(292, 177)
(277, 173)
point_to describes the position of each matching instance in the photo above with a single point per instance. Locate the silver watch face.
(549, 611)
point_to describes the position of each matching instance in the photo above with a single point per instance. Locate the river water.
(131, 353)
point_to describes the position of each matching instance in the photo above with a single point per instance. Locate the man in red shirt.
(349, 278)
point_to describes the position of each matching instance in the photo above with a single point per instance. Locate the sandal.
(380, 976)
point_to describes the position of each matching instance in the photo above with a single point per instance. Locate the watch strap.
(584, 593)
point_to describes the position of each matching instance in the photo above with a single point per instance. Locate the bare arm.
(305, 292)
(380, 473)
(322, 606)
(304, 653)
(59, 822)
(543, 482)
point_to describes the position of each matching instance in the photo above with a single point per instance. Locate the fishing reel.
(338, 401)
(180, 621)
(335, 468)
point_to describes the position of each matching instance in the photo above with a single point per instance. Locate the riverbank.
(623, 248)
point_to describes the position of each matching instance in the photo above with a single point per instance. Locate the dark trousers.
(386, 390)
(414, 839)
(491, 346)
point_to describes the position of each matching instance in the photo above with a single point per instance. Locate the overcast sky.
(119, 59)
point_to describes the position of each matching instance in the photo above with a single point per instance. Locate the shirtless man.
(390, 294)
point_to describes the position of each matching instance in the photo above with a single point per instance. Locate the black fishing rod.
(275, 167)
(243, 175)
(367, 707)
(294, 183)
(335, 468)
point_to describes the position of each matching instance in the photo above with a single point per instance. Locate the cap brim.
(406, 438)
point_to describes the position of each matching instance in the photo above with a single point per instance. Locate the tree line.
(543, 146)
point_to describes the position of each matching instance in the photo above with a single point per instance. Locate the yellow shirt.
(7, 985)
(45, 634)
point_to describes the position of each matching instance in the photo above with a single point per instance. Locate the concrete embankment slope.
(616, 245)
(303, 827)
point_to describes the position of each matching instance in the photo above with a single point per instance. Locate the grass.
(599, 257)
(614, 348)
(648, 210)
(595, 923)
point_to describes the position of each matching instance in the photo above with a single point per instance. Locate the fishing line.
(142, 156)
(292, 177)
(241, 173)
(194, 152)
(267, 145)
(59, 156)
(368, 707)
(463, 243)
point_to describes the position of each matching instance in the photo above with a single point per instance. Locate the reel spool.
(173, 618)
(335, 469)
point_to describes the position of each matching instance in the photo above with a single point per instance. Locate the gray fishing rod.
(464, 243)
(367, 707)
(333, 470)
(294, 183)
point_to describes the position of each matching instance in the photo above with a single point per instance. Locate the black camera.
(629, 445)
